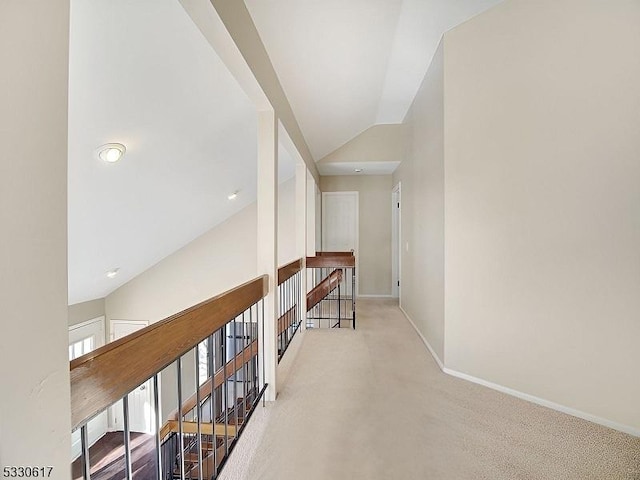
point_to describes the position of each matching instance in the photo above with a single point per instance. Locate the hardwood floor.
(107, 458)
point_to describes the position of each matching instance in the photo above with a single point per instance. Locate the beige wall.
(375, 227)
(221, 259)
(422, 197)
(287, 222)
(34, 365)
(542, 195)
(81, 312)
(379, 143)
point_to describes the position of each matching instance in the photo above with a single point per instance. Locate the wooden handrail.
(334, 254)
(289, 270)
(220, 429)
(236, 363)
(324, 288)
(347, 261)
(232, 366)
(286, 319)
(104, 376)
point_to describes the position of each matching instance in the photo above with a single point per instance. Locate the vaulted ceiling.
(347, 65)
(142, 74)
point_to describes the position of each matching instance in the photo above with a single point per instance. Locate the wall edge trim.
(546, 403)
(424, 340)
(628, 429)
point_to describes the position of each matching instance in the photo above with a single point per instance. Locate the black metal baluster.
(212, 403)
(198, 411)
(226, 397)
(156, 407)
(180, 420)
(86, 461)
(244, 369)
(127, 438)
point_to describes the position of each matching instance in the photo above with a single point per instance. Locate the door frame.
(98, 325)
(396, 242)
(355, 194)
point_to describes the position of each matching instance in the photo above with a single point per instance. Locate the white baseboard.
(424, 340)
(524, 396)
(375, 296)
(546, 403)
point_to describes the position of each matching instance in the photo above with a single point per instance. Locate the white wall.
(542, 195)
(422, 205)
(287, 222)
(374, 264)
(379, 143)
(81, 312)
(34, 365)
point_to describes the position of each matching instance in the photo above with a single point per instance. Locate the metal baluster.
(339, 314)
(86, 461)
(253, 369)
(226, 396)
(244, 369)
(198, 411)
(235, 376)
(285, 333)
(180, 421)
(212, 403)
(353, 295)
(264, 403)
(127, 439)
(156, 406)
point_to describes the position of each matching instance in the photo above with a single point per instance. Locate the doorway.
(396, 241)
(340, 224)
(141, 411)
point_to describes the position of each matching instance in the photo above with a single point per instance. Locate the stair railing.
(331, 300)
(290, 311)
(233, 385)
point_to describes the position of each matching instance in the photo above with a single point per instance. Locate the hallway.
(372, 404)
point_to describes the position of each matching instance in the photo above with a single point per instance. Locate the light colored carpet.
(372, 404)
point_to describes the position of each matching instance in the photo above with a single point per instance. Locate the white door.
(340, 223)
(141, 413)
(84, 338)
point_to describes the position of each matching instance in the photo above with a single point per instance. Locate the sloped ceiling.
(348, 65)
(142, 74)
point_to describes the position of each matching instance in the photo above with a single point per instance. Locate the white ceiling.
(346, 65)
(142, 74)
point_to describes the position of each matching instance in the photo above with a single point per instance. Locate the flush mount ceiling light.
(358, 170)
(111, 152)
(113, 273)
(233, 196)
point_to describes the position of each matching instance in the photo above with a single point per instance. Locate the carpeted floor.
(372, 404)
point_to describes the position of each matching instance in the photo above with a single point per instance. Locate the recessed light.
(111, 152)
(358, 170)
(113, 273)
(233, 196)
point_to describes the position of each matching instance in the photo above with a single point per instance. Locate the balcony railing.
(204, 365)
(331, 301)
(196, 439)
